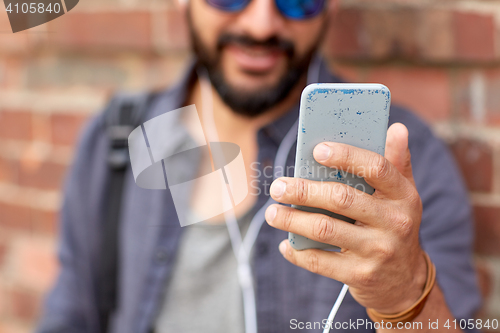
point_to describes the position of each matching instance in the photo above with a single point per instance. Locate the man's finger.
(397, 151)
(379, 172)
(334, 265)
(318, 227)
(335, 197)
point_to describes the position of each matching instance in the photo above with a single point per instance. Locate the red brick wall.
(439, 57)
(442, 59)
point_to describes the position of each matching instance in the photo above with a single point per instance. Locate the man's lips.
(255, 59)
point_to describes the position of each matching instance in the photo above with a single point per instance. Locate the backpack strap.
(123, 114)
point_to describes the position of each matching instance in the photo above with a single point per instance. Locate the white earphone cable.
(335, 309)
(243, 247)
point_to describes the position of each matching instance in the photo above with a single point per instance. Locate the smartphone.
(354, 114)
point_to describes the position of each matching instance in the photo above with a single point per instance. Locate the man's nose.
(261, 19)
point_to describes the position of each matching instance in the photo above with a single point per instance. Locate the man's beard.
(250, 103)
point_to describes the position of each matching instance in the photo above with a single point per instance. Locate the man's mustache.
(274, 43)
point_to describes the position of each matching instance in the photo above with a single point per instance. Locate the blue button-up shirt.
(285, 294)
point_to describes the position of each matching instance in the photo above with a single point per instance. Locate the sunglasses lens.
(294, 9)
(300, 9)
(228, 5)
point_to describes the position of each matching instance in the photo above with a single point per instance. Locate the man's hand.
(381, 259)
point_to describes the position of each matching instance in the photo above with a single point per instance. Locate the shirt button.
(267, 168)
(268, 131)
(267, 162)
(161, 256)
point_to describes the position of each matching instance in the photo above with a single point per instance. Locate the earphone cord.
(245, 278)
(242, 247)
(335, 309)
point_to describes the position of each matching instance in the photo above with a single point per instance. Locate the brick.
(488, 278)
(424, 90)
(3, 253)
(492, 96)
(15, 217)
(474, 36)
(462, 96)
(3, 303)
(47, 176)
(28, 220)
(44, 222)
(9, 171)
(465, 86)
(487, 224)
(34, 262)
(408, 33)
(30, 197)
(3, 71)
(66, 128)
(15, 125)
(24, 305)
(12, 326)
(32, 170)
(485, 279)
(102, 30)
(41, 127)
(170, 30)
(11, 43)
(435, 35)
(374, 33)
(77, 71)
(345, 36)
(475, 160)
(32, 155)
(11, 70)
(391, 33)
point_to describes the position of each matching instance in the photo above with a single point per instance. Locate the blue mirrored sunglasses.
(293, 9)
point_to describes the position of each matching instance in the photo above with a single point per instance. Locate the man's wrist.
(404, 295)
(417, 285)
(413, 310)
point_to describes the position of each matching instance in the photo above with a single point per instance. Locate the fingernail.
(278, 187)
(282, 248)
(322, 152)
(271, 213)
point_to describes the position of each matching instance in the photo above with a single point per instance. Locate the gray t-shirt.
(203, 294)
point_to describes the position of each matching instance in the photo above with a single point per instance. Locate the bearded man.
(252, 60)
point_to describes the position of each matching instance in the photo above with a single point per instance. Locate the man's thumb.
(396, 149)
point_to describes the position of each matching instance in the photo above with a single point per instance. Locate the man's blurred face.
(255, 56)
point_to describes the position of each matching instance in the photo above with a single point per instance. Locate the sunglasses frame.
(246, 2)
